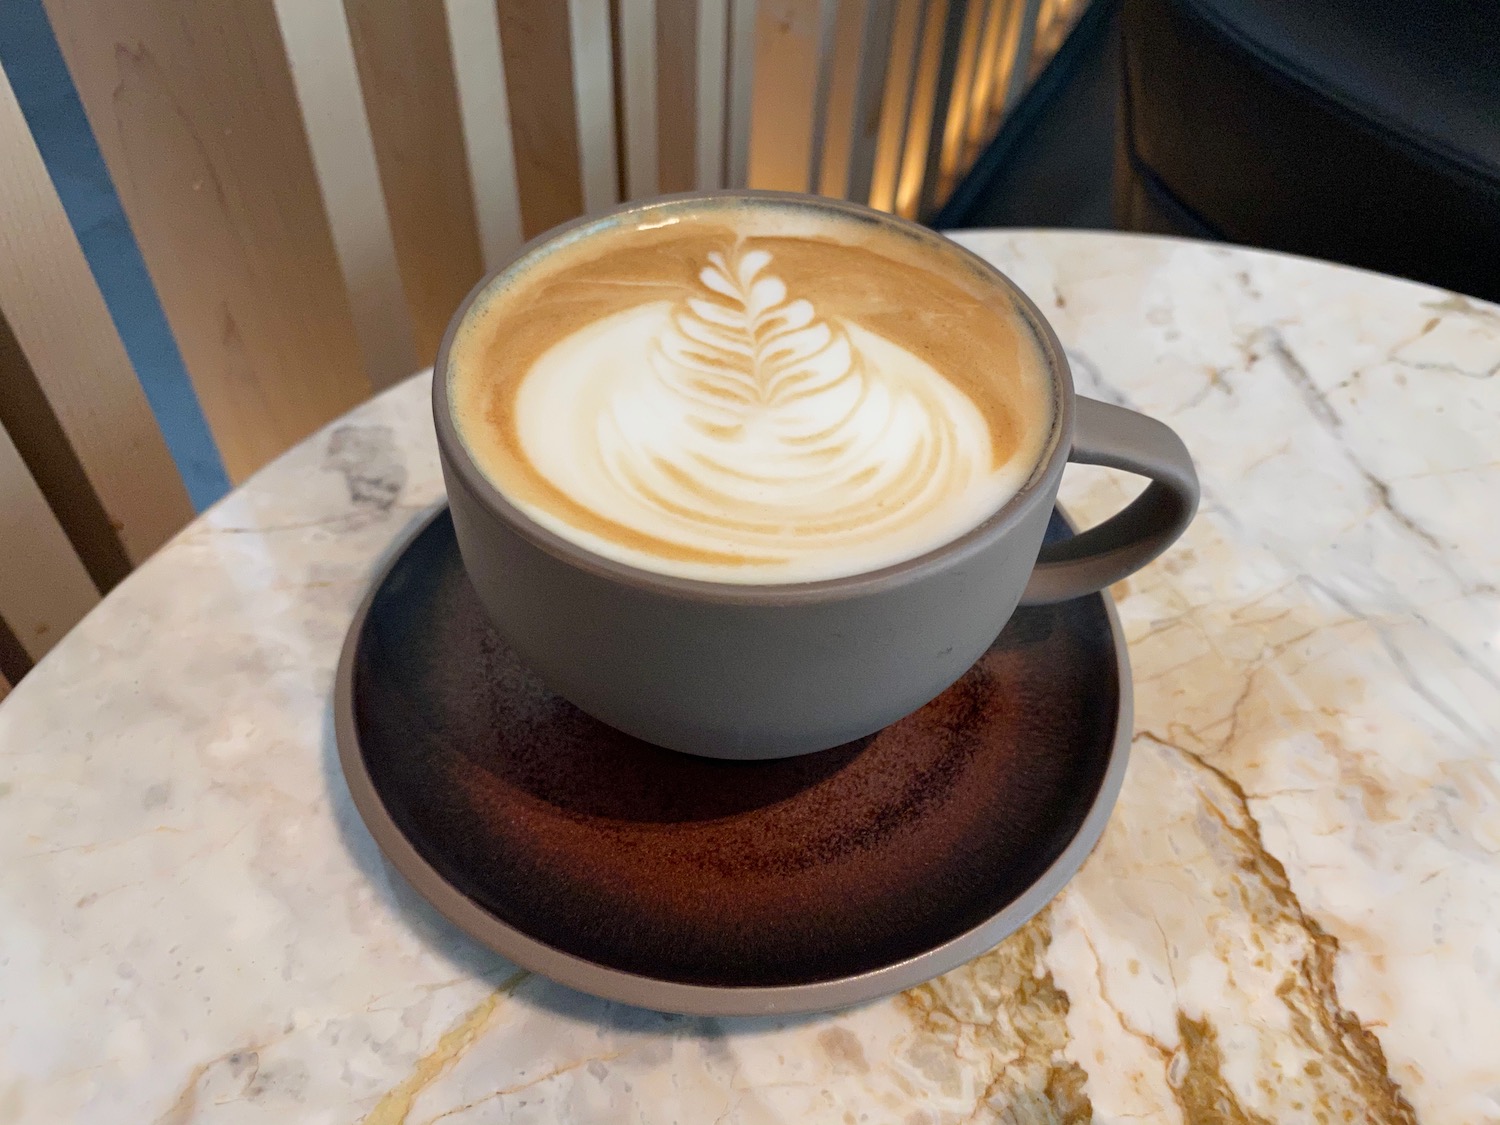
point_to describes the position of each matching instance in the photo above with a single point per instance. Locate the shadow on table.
(475, 960)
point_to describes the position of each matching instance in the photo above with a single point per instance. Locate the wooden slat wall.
(539, 81)
(484, 115)
(874, 60)
(406, 72)
(315, 35)
(712, 91)
(1020, 37)
(14, 663)
(637, 40)
(896, 102)
(977, 129)
(677, 29)
(928, 62)
(591, 40)
(955, 129)
(743, 48)
(44, 588)
(787, 42)
(828, 47)
(194, 108)
(66, 386)
(944, 95)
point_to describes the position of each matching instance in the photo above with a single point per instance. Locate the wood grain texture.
(193, 106)
(66, 386)
(44, 588)
(677, 62)
(316, 37)
(784, 84)
(407, 77)
(539, 81)
(484, 112)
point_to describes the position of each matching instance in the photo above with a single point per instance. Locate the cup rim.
(994, 527)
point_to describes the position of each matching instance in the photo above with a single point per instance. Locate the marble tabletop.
(1294, 914)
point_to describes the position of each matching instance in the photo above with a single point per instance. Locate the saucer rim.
(666, 995)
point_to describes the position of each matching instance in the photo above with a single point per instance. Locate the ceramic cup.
(751, 672)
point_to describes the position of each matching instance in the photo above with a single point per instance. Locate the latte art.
(739, 421)
(720, 407)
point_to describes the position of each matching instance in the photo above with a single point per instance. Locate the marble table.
(1293, 916)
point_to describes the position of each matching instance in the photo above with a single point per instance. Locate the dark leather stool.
(1362, 131)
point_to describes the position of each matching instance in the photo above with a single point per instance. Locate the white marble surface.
(1293, 916)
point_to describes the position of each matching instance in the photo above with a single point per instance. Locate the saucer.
(714, 887)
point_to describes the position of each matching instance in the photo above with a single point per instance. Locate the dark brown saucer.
(714, 887)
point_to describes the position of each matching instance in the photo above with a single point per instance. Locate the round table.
(1293, 915)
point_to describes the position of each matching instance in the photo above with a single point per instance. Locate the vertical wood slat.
(783, 121)
(194, 109)
(638, 77)
(743, 45)
(592, 43)
(923, 108)
(1009, 32)
(1055, 18)
(833, 144)
(677, 102)
(948, 62)
(873, 62)
(484, 120)
(44, 588)
(897, 101)
(712, 81)
(14, 661)
(66, 377)
(1019, 39)
(538, 60)
(955, 127)
(407, 80)
(977, 129)
(832, 51)
(319, 51)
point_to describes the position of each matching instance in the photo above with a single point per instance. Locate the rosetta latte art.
(737, 425)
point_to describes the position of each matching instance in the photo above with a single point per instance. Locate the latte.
(752, 392)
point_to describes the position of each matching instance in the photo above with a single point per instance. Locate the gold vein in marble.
(185, 1108)
(1316, 1060)
(1005, 1009)
(396, 1105)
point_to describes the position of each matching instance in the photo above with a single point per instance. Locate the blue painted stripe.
(48, 99)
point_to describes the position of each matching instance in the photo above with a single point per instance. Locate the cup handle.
(1119, 439)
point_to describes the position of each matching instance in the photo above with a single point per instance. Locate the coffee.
(757, 391)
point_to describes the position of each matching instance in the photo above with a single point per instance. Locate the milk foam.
(738, 421)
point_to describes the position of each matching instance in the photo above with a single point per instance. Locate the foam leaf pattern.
(737, 420)
(749, 344)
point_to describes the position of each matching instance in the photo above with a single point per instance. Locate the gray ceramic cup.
(751, 672)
